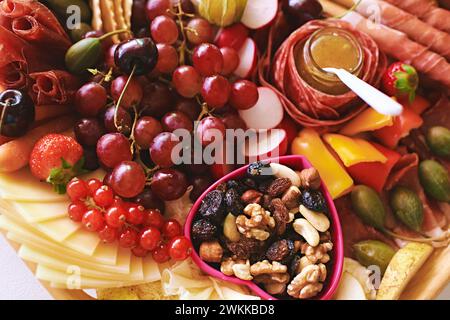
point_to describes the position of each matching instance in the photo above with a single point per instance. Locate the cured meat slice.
(54, 86)
(305, 104)
(17, 59)
(398, 45)
(33, 22)
(427, 10)
(396, 18)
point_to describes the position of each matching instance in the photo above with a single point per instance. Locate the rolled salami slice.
(55, 86)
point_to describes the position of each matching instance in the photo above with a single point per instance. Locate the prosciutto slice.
(398, 19)
(427, 10)
(398, 45)
(17, 59)
(305, 104)
(33, 22)
(54, 86)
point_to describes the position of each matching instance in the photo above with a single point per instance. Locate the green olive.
(62, 10)
(368, 206)
(78, 33)
(83, 55)
(407, 207)
(373, 252)
(438, 139)
(435, 181)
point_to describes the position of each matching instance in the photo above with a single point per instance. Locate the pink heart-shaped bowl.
(337, 256)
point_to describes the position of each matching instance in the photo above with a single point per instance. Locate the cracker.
(108, 18)
(97, 22)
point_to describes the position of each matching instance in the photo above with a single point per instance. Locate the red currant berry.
(108, 234)
(136, 214)
(128, 238)
(154, 218)
(77, 210)
(180, 248)
(139, 252)
(171, 229)
(161, 253)
(104, 197)
(93, 220)
(150, 238)
(116, 216)
(93, 185)
(77, 189)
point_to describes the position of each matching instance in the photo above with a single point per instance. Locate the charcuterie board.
(235, 149)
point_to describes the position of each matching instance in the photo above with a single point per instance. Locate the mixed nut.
(270, 227)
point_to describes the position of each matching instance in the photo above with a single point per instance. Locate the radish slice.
(266, 114)
(248, 58)
(265, 145)
(259, 13)
(233, 36)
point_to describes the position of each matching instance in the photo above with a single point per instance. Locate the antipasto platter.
(227, 149)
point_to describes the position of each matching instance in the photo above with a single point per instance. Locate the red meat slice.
(54, 86)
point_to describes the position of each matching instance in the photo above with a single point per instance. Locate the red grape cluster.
(142, 230)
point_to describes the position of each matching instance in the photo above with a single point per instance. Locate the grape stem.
(119, 101)
(133, 140)
(113, 33)
(182, 48)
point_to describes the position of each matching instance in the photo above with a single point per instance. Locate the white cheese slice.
(39, 212)
(35, 255)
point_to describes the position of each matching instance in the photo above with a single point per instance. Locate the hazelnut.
(251, 196)
(211, 251)
(291, 197)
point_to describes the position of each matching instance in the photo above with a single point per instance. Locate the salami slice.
(54, 86)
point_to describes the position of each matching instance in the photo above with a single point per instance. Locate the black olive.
(141, 54)
(17, 113)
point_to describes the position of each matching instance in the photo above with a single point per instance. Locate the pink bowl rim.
(336, 231)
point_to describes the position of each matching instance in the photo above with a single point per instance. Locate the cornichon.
(407, 207)
(62, 8)
(434, 179)
(438, 139)
(368, 206)
(373, 252)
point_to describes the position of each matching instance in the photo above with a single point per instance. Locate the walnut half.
(259, 223)
(309, 282)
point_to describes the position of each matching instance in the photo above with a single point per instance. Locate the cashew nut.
(307, 231)
(282, 171)
(230, 230)
(318, 220)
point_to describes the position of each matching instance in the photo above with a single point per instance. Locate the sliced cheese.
(35, 255)
(39, 212)
(22, 186)
(84, 242)
(58, 229)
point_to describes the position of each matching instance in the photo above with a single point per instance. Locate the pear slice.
(349, 289)
(403, 266)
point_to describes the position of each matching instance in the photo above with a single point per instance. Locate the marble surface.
(18, 283)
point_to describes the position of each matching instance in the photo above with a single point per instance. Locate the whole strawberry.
(57, 158)
(401, 80)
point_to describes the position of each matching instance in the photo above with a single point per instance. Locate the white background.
(17, 282)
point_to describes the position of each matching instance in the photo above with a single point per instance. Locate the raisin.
(245, 248)
(280, 250)
(250, 183)
(278, 187)
(238, 186)
(212, 207)
(280, 214)
(222, 187)
(264, 185)
(314, 200)
(203, 230)
(259, 170)
(293, 267)
(233, 202)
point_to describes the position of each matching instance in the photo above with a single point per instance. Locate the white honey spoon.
(372, 96)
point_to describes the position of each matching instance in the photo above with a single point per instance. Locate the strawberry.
(57, 158)
(400, 80)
